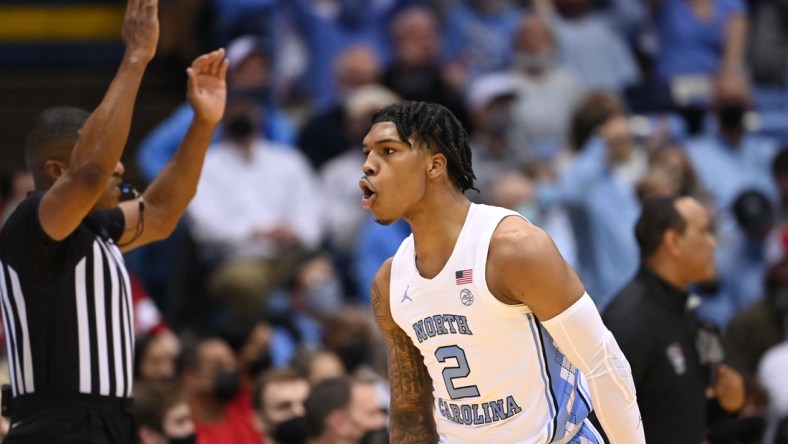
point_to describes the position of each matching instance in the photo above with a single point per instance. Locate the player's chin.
(382, 217)
(384, 222)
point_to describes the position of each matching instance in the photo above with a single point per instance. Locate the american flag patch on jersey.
(464, 276)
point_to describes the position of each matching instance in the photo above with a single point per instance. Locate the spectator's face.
(673, 159)
(283, 400)
(697, 243)
(251, 73)
(177, 421)
(216, 358)
(325, 365)
(158, 359)
(534, 37)
(241, 121)
(364, 413)
(254, 354)
(416, 40)
(618, 135)
(356, 67)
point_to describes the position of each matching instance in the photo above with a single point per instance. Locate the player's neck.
(435, 232)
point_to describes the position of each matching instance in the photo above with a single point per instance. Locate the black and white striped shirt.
(66, 306)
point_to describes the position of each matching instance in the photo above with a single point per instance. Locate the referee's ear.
(53, 169)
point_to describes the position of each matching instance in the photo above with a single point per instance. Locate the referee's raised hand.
(141, 30)
(207, 89)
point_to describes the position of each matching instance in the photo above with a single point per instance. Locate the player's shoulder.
(517, 239)
(382, 278)
(379, 295)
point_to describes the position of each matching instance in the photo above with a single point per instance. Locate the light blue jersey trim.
(545, 376)
(572, 405)
(587, 435)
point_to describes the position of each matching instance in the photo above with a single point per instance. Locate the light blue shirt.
(603, 210)
(741, 267)
(375, 244)
(590, 49)
(483, 42)
(688, 45)
(160, 144)
(726, 171)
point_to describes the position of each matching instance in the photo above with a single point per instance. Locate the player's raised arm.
(82, 178)
(528, 268)
(412, 407)
(167, 197)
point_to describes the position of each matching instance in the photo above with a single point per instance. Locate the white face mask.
(539, 62)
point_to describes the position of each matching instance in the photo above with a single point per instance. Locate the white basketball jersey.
(497, 376)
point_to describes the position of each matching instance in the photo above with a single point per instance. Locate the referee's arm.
(82, 180)
(166, 198)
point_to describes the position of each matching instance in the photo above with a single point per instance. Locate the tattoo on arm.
(411, 386)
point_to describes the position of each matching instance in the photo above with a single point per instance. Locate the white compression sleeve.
(580, 334)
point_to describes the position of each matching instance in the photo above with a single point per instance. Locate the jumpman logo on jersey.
(405, 296)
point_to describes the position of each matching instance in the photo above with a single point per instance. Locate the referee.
(65, 297)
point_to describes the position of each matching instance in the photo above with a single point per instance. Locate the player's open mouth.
(367, 194)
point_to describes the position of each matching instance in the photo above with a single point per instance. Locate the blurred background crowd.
(578, 111)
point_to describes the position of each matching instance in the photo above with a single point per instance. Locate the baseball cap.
(242, 47)
(489, 87)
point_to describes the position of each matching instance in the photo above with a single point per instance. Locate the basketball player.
(490, 334)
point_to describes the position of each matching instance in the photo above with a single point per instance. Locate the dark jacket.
(656, 332)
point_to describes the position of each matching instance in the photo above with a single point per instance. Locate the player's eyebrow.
(389, 140)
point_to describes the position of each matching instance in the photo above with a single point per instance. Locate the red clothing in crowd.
(237, 427)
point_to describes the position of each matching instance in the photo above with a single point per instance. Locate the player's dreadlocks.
(436, 126)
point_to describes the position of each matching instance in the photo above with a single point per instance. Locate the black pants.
(76, 419)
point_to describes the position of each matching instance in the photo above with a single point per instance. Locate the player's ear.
(437, 165)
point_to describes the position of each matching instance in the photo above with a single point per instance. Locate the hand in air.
(141, 30)
(207, 89)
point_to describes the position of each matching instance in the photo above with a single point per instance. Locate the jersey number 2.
(461, 370)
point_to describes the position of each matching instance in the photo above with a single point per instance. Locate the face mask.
(191, 439)
(293, 430)
(324, 297)
(538, 62)
(731, 116)
(226, 385)
(240, 127)
(379, 436)
(498, 122)
(257, 94)
(261, 363)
